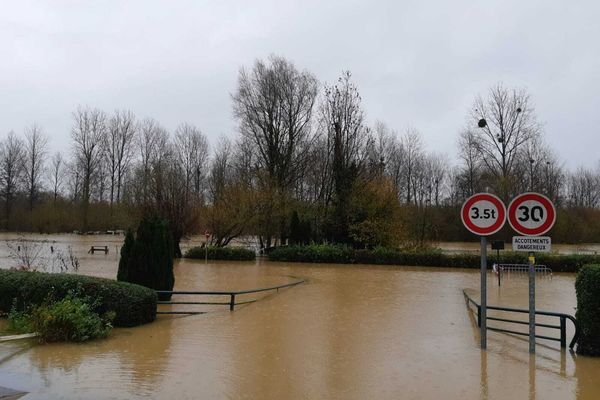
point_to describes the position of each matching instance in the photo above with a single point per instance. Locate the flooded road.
(350, 332)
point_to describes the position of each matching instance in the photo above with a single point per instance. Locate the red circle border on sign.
(512, 215)
(464, 214)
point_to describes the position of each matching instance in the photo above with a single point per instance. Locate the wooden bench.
(94, 249)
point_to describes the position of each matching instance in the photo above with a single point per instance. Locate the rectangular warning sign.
(532, 243)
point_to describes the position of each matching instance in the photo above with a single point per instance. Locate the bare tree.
(274, 104)
(56, 174)
(220, 169)
(348, 138)
(583, 188)
(315, 183)
(413, 154)
(437, 167)
(510, 124)
(229, 213)
(381, 148)
(191, 147)
(395, 165)
(118, 150)
(100, 182)
(88, 132)
(469, 175)
(73, 180)
(170, 197)
(539, 170)
(12, 158)
(152, 139)
(36, 145)
(342, 106)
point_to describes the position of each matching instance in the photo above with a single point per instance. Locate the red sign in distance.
(531, 214)
(483, 214)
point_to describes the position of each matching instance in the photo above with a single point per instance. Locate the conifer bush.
(147, 258)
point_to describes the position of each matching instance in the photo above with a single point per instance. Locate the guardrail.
(231, 303)
(524, 268)
(562, 327)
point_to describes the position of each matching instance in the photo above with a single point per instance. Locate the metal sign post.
(206, 236)
(483, 300)
(531, 303)
(531, 214)
(483, 214)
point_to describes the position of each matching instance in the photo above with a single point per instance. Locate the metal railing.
(524, 268)
(562, 327)
(232, 295)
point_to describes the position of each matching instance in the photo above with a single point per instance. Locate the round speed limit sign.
(483, 214)
(531, 214)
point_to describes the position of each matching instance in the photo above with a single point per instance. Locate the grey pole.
(531, 305)
(483, 325)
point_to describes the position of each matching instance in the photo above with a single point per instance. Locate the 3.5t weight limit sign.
(531, 214)
(483, 214)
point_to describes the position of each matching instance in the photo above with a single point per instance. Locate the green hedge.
(221, 253)
(133, 304)
(587, 287)
(432, 258)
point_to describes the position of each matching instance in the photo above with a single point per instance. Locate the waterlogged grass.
(428, 258)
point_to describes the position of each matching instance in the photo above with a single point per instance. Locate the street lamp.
(547, 178)
(531, 161)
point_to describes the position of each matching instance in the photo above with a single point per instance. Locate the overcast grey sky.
(416, 63)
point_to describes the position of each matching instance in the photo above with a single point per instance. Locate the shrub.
(147, 259)
(587, 286)
(69, 319)
(221, 253)
(123, 271)
(314, 253)
(19, 321)
(428, 258)
(132, 304)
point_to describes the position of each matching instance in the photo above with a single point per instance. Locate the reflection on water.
(351, 332)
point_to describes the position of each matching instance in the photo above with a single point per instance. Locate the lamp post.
(531, 161)
(547, 178)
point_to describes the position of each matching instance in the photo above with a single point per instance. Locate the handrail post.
(563, 331)
(232, 302)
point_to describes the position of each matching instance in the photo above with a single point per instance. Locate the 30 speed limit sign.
(531, 214)
(483, 214)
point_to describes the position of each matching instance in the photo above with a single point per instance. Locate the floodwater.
(350, 332)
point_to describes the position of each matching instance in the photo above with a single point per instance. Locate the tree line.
(305, 166)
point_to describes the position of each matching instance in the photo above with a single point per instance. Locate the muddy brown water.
(350, 332)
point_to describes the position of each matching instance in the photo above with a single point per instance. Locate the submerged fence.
(231, 294)
(562, 326)
(524, 268)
